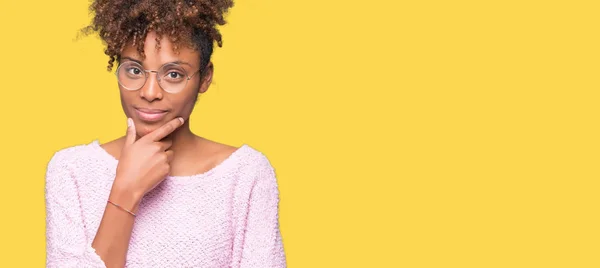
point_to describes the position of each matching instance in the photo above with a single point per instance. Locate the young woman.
(161, 196)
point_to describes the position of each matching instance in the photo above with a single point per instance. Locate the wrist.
(125, 197)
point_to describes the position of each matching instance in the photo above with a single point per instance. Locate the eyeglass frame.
(146, 75)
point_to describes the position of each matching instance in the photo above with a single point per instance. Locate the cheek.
(184, 107)
(125, 104)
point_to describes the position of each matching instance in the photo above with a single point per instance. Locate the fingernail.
(129, 122)
(181, 119)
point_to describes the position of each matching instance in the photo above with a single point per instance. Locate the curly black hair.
(185, 22)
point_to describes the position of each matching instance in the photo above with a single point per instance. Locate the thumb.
(130, 137)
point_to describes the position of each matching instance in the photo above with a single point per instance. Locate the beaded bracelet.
(122, 208)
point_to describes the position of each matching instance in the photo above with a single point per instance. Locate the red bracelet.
(122, 208)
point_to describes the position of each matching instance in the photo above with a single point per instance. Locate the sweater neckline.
(220, 167)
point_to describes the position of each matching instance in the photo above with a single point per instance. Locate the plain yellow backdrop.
(403, 133)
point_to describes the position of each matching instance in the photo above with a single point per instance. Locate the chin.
(143, 128)
(141, 132)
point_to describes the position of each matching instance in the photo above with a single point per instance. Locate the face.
(151, 106)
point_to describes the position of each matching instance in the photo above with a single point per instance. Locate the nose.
(151, 89)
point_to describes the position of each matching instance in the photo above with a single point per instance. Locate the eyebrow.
(138, 61)
(131, 59)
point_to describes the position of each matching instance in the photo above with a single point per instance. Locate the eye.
(134, 70)
(174, 75)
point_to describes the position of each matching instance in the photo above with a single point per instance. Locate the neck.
(182, 138)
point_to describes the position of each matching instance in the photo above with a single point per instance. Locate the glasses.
(171, 77)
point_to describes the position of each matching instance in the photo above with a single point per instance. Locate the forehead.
(164, 54)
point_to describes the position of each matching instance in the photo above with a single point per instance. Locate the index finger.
(166, 129)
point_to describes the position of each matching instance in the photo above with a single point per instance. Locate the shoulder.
(60, 170)
(252, 158)
(256, 165)
(68, 156)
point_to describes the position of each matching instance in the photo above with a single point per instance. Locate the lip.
(150, 115)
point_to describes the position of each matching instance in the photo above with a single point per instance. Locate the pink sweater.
(225, 217)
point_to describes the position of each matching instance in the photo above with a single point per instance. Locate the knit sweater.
(225, 217)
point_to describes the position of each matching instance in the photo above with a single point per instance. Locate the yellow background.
(403, 133)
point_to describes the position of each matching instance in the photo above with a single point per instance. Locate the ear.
(207, 78)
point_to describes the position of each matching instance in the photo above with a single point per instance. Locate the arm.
(262, 246)
(66, 242)
(150, 157)
(113, 235)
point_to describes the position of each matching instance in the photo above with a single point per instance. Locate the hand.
(145, 163)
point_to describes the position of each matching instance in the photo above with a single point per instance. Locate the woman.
(161, 196)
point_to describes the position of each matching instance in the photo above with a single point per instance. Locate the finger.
(130, 136)
(169, 155)
(166, 129)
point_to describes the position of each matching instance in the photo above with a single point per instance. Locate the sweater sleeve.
(66, 241)
(262, 246)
